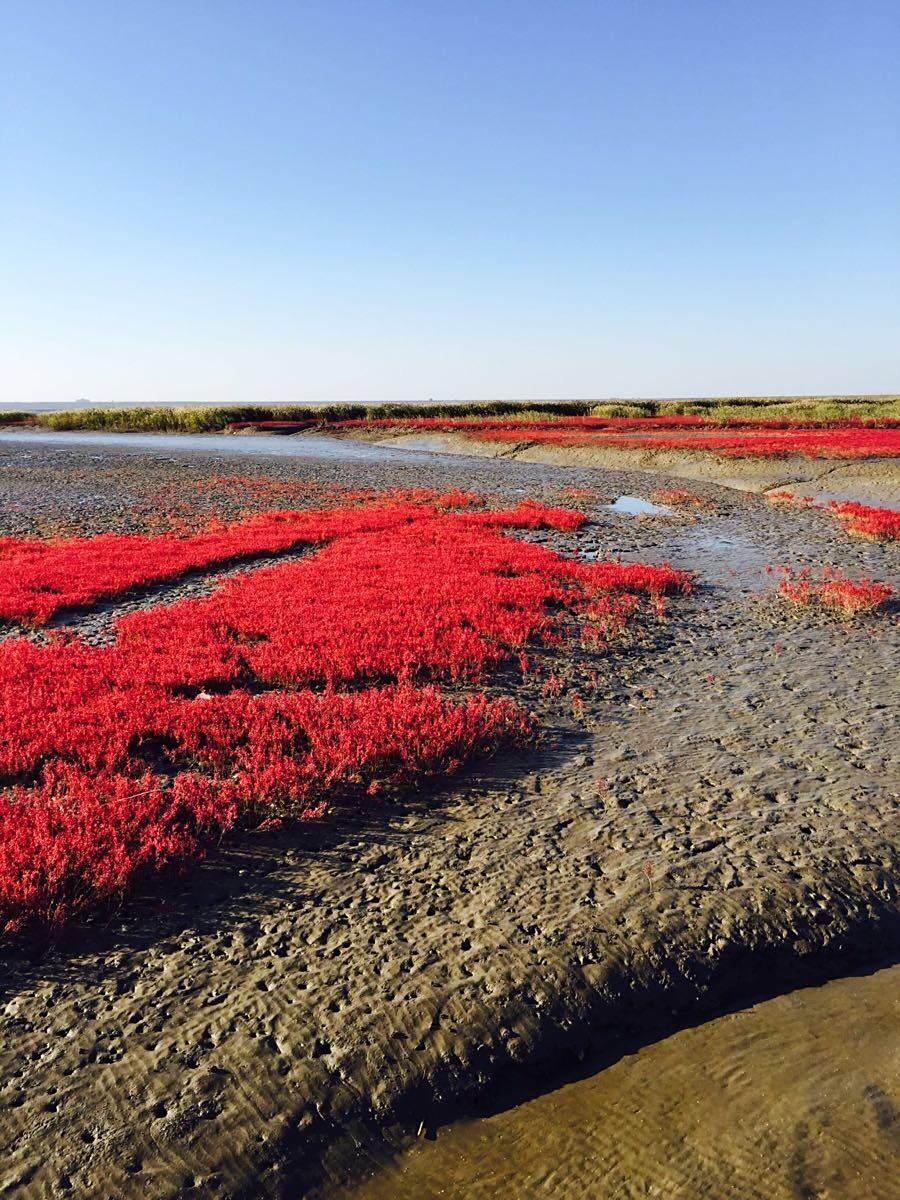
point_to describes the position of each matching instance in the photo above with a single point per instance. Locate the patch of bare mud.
(797, 1096)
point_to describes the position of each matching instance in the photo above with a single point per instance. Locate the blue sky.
(365, 200)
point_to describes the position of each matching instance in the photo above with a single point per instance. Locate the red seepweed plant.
(606, 618)
(742, 439)
(863, 521)
(677, 498)
(789, 499)
(834, 591)
(762, 442)
(43, 577)
(284, 687)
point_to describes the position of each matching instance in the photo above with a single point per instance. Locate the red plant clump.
(834, 591)
(634, 577)
(12, 545)
(456, 498)
(229, 497)
(789, 499)
(863, 521)
(443, 595)
(282, 688)
(607, 617)
(84, 834)
(677, 497)
(518, 428)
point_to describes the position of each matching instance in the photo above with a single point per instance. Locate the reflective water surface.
(797, 1098)
(291, 446)
(636, 506)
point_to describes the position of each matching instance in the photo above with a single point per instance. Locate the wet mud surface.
(794, 1097)
(717, 819)
(873, 480)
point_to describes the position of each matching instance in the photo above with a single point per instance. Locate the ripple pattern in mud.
(797, 1098)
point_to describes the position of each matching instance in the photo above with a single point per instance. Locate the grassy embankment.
(812, 409)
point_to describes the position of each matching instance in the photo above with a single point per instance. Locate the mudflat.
(716, 819)
(872, 479)
(794, 1096)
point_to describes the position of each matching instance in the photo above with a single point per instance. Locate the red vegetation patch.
(634, 577)
(755, 439)
(83, 835)
(41, 578)
(863, 521)
(834, 591)
(789, 500)
(607, 617)
(677, 498)
(847, 442)
(284, 687)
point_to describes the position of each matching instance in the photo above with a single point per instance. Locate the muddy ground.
(719, 823)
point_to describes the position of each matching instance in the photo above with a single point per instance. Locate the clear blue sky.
(258, 201)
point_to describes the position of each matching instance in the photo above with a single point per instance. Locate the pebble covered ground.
(712, 814)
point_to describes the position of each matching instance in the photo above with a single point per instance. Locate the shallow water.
(797, 1098)
(291, 446)
(636, 506)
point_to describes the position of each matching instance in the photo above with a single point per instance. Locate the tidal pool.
(796, 1098)
(636, 506)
